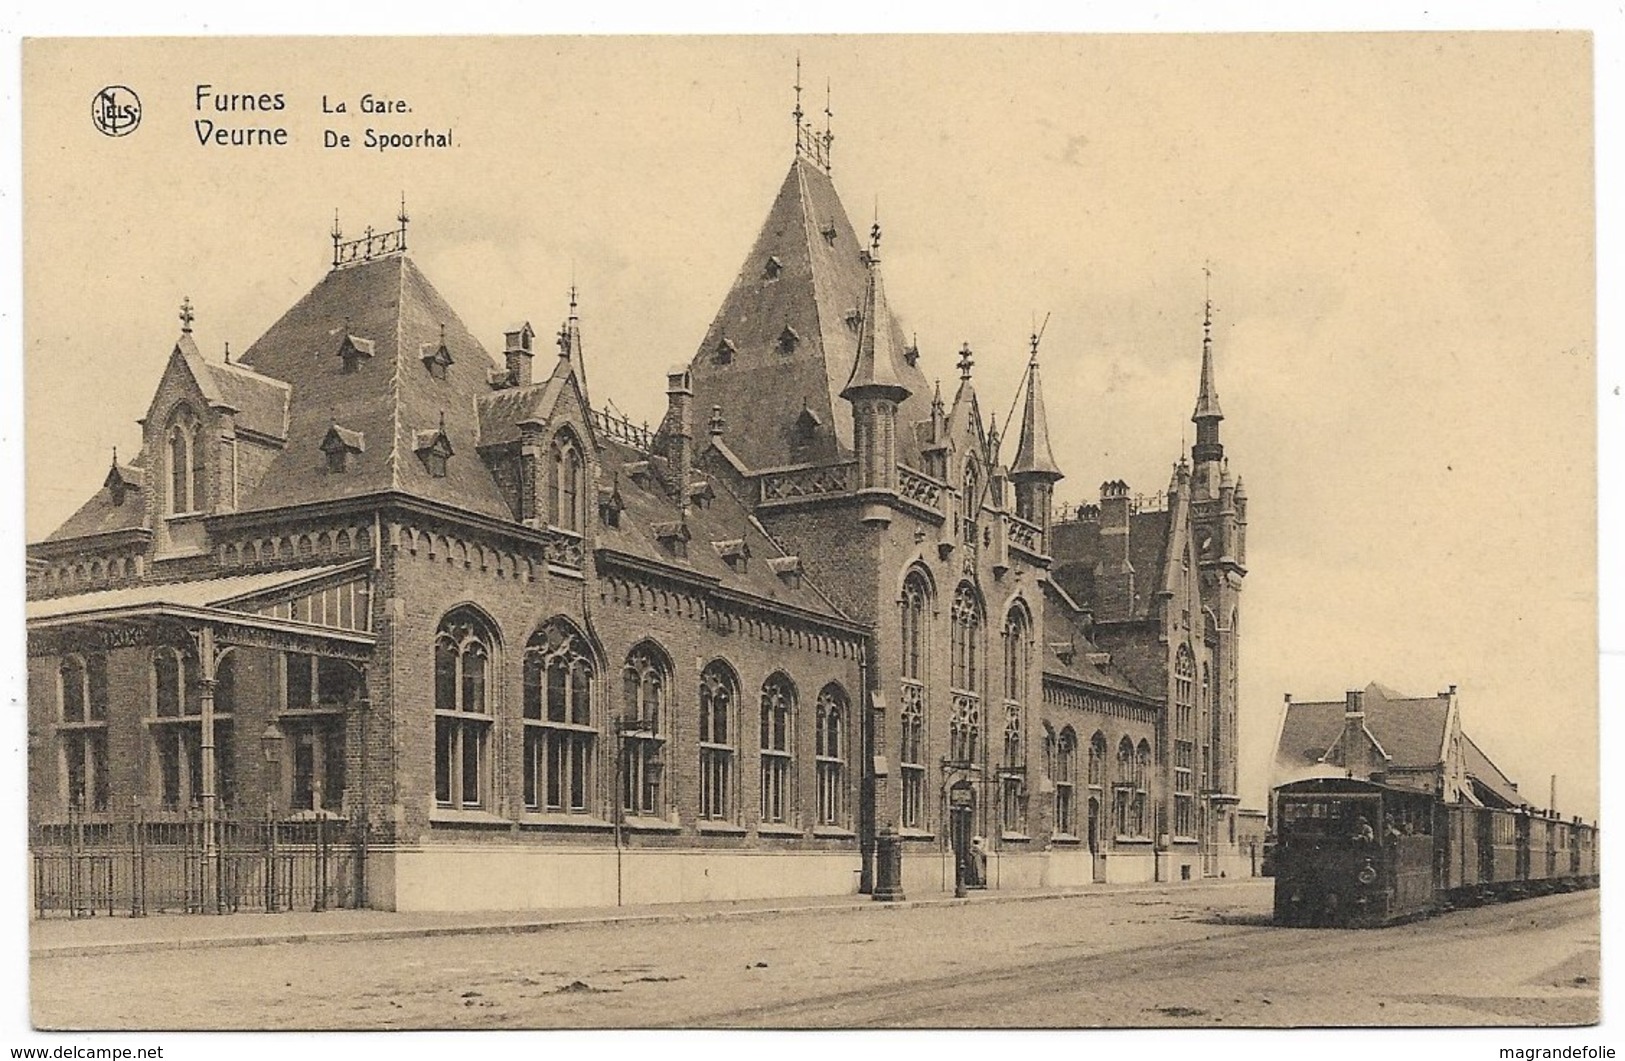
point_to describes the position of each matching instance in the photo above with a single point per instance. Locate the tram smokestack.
(1551, 801)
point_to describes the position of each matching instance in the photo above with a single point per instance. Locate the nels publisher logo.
(116, 110)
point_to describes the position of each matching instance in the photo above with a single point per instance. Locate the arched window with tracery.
(915, 607)
(915, 619)
(1185, 740)
(911, 756)
(1097, 760)
(1123, 789)
(645, 687)
(831, 754)
(464, 645)
(719, 697)
(1012, 773)
(1017, 649)
(1066, 777)
(566, 475)
(965, 724)
(1142, 794)
(778, 752)
(560, 727)
(970, 503)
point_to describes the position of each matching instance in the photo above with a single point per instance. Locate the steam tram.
(1356, 854)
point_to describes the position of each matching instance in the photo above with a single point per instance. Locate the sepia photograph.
(1004, 531)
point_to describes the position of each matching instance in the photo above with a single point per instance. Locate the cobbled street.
(1202, 956)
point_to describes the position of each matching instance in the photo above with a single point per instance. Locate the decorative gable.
(724, 353)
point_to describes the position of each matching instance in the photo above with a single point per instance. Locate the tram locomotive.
(1357, 854)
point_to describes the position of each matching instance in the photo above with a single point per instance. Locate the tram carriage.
(1352, 853)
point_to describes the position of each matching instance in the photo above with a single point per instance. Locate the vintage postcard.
(1016, 531)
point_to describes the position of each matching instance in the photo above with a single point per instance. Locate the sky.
(1399, 228)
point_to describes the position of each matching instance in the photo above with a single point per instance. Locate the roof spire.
(798, 114)
(1207, 395)
(403, 219)
(829, 137)
(228, 351)
(965, 362)
(1207, 414)
(187, 316)
(1034, 457)
(875, 371)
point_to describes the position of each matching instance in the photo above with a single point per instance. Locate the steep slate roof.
(1410, 729)
(1058, 628)
(100, 516)
(814, 287)
(725, 520)
(260, 401)
(1077, 550)
(1478, 767)
(388, 398)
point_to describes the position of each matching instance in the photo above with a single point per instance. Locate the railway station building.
(534, 655)
(1378, 734)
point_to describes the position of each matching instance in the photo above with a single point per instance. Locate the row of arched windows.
(565, 728)
(1130, 782)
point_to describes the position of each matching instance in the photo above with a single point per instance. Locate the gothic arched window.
(719, 695)
(463, 647)
(830, 751)
(560, 731)
(645, 687)
(566, 475)
(778, 726)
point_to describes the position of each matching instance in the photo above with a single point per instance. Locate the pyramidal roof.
(389, 396)
(786, 336)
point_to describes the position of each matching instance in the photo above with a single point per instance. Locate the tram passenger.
(1363, 833)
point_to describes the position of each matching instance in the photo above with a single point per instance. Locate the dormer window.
(436, 358)
(807, 425)
(610, 505)
(788, 568)
(828, 233)
(340, 444)
(911, 354)
(120, 482)
(186, 449)
(352, 349)
(433, 449)
(789, 339)
(734, 553)
(673, 536)
(772, 269)
(724, 353)
(854, 317)
(700, 493)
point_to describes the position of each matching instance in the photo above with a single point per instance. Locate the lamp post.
(271, 747)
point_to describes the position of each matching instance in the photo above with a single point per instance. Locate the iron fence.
(135, 866)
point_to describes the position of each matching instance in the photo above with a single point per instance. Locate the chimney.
(680, 421)
(1354, 741)
(517, 353)
(1115, 578)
